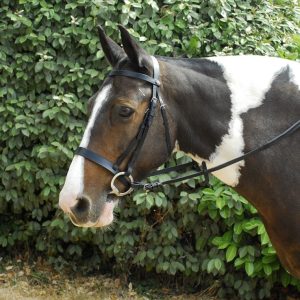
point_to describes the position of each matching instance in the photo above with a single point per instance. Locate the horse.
(214, 109)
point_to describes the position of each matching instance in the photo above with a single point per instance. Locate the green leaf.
(174, 232)
(92, 72)
(150, 254)
(194, 196)
(249, 267)
(149, 200)
(84, 41)
(231, 253)
(166, 266)
(243, 251)
(220, 202)
(38, 66)
(285, 279)
(166, 251)
(218, 264)
(210, 266)
(158, 201)
(264, 238)
(267, 269)
(57, 223)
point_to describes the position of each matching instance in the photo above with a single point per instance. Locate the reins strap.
(177, 168)
(204, 171)
(287, 132)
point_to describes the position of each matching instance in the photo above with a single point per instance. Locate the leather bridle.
(134, 148)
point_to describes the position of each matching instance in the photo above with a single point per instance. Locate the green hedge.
(50, 64)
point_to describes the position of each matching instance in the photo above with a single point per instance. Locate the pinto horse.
(215, 109)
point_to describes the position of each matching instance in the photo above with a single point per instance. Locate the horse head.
(118, 113)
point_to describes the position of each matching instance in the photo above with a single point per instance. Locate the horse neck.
(199, 102)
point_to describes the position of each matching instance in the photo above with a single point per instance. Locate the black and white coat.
(220, 108)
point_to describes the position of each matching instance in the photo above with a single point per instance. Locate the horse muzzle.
(87, 213)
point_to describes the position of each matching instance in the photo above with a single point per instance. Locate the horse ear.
(137, 55)
(113, 52)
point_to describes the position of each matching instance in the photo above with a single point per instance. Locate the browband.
(135, 75)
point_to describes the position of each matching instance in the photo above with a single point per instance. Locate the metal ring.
(115, 189)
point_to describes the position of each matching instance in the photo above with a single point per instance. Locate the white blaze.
(73, 187)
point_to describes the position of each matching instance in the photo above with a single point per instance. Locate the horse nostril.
(81, 209)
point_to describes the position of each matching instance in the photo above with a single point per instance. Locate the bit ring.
(115, 190)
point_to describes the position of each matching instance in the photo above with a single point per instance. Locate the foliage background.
(50, 64)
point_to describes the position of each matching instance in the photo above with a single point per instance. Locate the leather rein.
(134, 148)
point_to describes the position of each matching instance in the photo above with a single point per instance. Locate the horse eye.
(125, 111)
